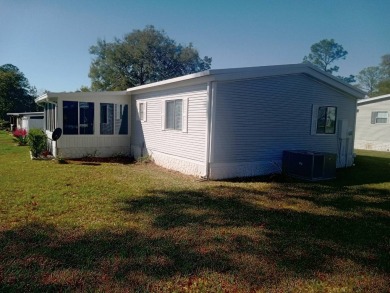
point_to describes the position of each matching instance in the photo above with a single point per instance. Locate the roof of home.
(374, 99)
(53, 96)
(25, 114)
(253, 72)
(221, 75)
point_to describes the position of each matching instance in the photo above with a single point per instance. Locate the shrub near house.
(20, 136)
(37, 142)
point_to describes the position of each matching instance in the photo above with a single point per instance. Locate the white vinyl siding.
(256, 119)
(372, 132)
(157, 136)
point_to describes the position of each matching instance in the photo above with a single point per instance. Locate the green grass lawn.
(115, 227)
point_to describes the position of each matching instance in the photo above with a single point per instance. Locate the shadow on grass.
(250, 238)
(96, 161)
(286, 227)
(366, 170)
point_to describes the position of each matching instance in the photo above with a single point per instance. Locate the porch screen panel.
(50, 117)
(86, 117)
(70, 117)
(121, 119)
(106, 118)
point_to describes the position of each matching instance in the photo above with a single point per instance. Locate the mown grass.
(137, 227)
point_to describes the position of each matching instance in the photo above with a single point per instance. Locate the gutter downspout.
(209, 125)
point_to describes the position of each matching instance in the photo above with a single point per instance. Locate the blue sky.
(49, 40)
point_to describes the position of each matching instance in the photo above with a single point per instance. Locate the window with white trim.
(324, 119)
(379, 117)
(142, 111)
(174, 114)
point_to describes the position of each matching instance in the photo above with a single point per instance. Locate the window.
(326, 120)
(86, 117)
(173, 114)
(141, 111)
(113, 118)
(119, 111)
(106, 118)
(78, 117)
(103, 113)
(379, 117)
(70, 117)
(50, 110)
(121, 121)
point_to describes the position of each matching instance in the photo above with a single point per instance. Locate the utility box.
(309, 165)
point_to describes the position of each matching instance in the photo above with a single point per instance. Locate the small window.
(142, 111)
(174, 114)
(379, 117)
(326, 120)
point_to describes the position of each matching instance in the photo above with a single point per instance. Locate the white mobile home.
(237, 122)
(225, 123)
(26, 120)
(373, 124)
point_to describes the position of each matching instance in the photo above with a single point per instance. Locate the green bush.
(36, 141)
(4, 125)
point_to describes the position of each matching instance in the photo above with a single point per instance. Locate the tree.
(324, 54)
(84, 89)
(383, 88)
(385, 65)
(369, 78)
(376, 79)
(16, 94)
(142, 57)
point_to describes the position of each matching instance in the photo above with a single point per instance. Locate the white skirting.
(372, 145)
(183, 165)
(244, 169)
(81, 152)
